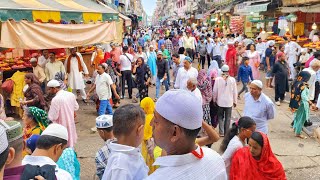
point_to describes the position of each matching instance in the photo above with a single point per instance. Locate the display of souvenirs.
(237, 24)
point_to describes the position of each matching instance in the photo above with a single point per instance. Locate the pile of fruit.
(312, 45)
(88, 49)
(14, 63)
(61, 57)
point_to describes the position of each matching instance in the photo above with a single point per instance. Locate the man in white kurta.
(180, 111)
(75, 66)
(314, 67)
(292, 50)
(185, 73)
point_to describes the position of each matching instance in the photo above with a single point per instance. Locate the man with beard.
(75, 66)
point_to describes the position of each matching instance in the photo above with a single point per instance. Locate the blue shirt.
(260, 110)
(271, 56)
(244, 73)
(141, 41)
(146, 37)
(160, 42)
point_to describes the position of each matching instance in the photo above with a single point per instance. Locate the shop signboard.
(298, 2)
(247, 8)
(221, 2)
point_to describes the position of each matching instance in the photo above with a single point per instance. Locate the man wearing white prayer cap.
(50, 146)
(258, 106)
(62, 109)
(177, 121)
(4, 150)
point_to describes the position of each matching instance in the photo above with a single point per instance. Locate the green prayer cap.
(13, 129)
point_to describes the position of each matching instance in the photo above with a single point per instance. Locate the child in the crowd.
(104, 127)
(31, 143)
(69, 162)
(125, 160)
(245, 75)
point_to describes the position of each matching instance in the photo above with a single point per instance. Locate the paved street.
(300, 157)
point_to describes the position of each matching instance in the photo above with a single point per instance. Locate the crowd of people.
(166, 136)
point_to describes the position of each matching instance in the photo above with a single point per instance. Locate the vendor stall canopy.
(59, 11)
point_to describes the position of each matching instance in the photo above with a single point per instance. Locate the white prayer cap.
(304, 50)
(33, 60)
(159, 53)
(258, 83)
(230, 42)
(225, 68)
(151, 46)
(56, 130)
(105, 65)
(3, 140)
(53, 83)
(181, 108)
(104, 121)
(271, 43)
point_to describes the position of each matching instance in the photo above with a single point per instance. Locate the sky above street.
(149, 6)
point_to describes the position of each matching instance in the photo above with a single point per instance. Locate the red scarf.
(245, 167)
(69, 63)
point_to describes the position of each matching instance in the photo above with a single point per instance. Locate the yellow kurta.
(148, 106)
(17, 93)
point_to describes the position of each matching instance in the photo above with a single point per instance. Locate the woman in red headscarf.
(256, 161)
(231, 59)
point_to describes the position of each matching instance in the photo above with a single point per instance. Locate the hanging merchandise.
(270, 24)
(298, 29)
(237, 24)
(283, 23)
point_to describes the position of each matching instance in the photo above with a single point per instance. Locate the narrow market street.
(160, 89)
(300, 157)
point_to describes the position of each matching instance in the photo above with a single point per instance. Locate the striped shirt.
(101, 158)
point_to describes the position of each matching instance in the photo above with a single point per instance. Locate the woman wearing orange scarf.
(256, 161)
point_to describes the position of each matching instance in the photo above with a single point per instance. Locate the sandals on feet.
(301, 136)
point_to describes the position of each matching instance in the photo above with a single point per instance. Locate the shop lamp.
(314, 26)
(251, 12)
(263, 31)
(287, 29)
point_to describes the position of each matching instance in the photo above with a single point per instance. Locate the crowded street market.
(159, 89)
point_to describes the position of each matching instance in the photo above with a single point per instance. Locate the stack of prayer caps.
(3, 140)
(13, 129)
(104, 121)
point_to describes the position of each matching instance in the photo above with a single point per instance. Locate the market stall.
(40, 24)
(29, 26)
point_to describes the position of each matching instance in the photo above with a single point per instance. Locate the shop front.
(304, 18)
(27, 27)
